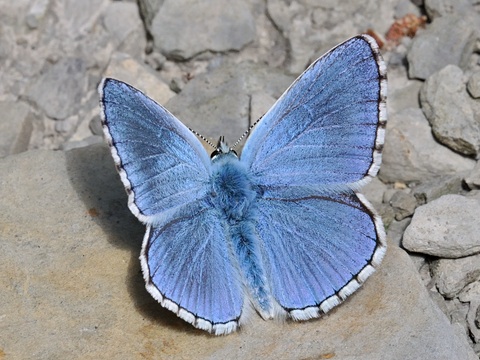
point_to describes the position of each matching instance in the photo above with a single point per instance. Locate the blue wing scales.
(326, 130)
(186, 259)
(318, 249)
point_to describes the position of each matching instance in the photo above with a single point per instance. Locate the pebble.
(452, 113)
(447, 227)
(449, 39)
(411, 154)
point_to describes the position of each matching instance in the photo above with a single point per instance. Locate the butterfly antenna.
(246, 133)
(203, 138)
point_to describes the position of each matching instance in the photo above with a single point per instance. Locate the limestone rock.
(446, 227)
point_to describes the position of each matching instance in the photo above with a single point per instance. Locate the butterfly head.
(222, 149)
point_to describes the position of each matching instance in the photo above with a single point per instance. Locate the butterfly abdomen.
(234, 197)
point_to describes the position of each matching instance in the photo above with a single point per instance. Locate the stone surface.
(224, 96)
(15, 127)
(374, 191)
(180, 31)
(314, 27)
(59, 90)
(403, 204)
(472, 180)
(437, 8)
(412, 154)
(453, 115)
(72, 285)
(402, 92)
(122, 21)
(473, 85)
(396, 229)
(446, 227)
(449, 39)
(452, 275)
(436, 187)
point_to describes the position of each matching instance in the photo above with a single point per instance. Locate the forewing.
(318, 249)
(188, 268)
(328, 127)
(161, 163)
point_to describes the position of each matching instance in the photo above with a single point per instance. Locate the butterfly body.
(282, 229)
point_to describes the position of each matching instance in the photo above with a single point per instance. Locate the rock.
(122, 22)
(471, 295)
(436, 187)
(396, 229)
(125, 68)
(405, 7)
(36, 13)
(374, 191)
(180, 31)
(473, 85)
(312, 27)
(403, 204)
(437, 8)
(87, 231)
(224, 95)
(411, 154)
(148, 10)
(403, 93)
(15, 127)
(449, 39)
(452, 275)
(446, 227)
(472, 180)
(59, 90)
(453, 115)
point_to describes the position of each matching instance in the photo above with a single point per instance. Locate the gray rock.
(473, 85)
(437, 8)
(125, 68)
(446, 227)
(122, 22)
(80, 197)
(148, 10)
(403, 204)
(219, 102)
(405, 7)
(439, 186)
(374, 191)
(15, 127)
(411, 154)
(180, 31)
(59, 90)
(36, 13)
(453, 115)
(471, 294)
(472, 180)
(452, 275)
(403, 93)
(449, 39)
(313, 27)
(396, 229)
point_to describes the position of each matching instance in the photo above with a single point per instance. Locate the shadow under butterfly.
(282, 229)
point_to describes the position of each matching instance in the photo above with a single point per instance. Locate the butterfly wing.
(185, 257)
(307, 157)
(318, 250)
(327, 129)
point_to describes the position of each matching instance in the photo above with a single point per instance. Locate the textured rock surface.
(452, 113)
(452, 275)
(72, 285)
(180, 31)
(446, 227)
(412, 154)
(449, 39)
(15, 127)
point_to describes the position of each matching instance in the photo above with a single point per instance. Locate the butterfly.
(282, 229)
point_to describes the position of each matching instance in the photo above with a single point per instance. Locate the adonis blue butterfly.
(281, 229)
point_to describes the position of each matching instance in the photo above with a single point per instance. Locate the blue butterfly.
(282, 229)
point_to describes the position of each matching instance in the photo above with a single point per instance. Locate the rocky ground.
(70, 275)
